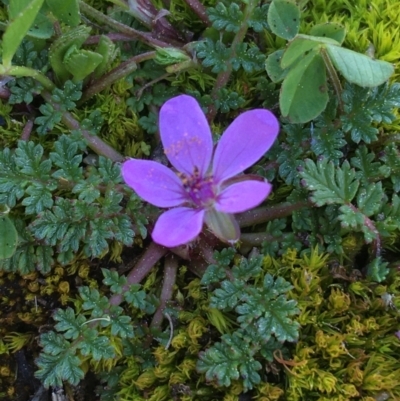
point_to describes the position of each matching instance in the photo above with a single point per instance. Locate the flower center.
(201, 190)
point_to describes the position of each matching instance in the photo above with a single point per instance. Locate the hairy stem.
(26, 132)
(93, 141)
(142, 268)
(170, 270)
(223, 77)
(144, 37)
(264, 214)
(115, 75)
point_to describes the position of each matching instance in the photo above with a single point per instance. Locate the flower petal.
(178, 226)
(242, 196)
(223, 226)
(244, 142)
(154, 182)
(185, 134)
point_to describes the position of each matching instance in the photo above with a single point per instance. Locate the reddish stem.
(142, 268)
(264, 214)
(26, 132)
(199, 9)
(170, 270)
(123, 69)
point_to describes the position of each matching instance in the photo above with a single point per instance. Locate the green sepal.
(66, 11)
(358, 68)
(304, 93)
(75, 37)
(223, 225)
(284, 18)
(81, 63)
(18, 28)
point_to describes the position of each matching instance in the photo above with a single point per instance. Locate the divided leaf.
(329, 184)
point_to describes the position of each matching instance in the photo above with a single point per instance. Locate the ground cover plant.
(199, 200)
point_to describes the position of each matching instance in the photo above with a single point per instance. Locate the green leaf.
(18, 28)
(40, 198)
(368, 169)
(136, 297)
(304, 92)
(358, 68)
(74, 37)
(270, 311)
(248, 268)
(369, 200)
(351, 217)
(329, 30)
(67, 97)
(328, 183)
(228, 100)
(214, 55)
(66, 157)
(273, 66)
(93, 301)
(114, 280)
(228, 296)
(297, 48)
(108, 50)
(69, 323)
(8, 237)
(229, 360)
(258, 19)
(66, 11)
(120, 325)
(54, 369)
(284, 18)
(95, 346)
(226, 18)
(53, 343)
(44, 259)
(249, 58)
(81, 63)
(377, 270)
(50, 117)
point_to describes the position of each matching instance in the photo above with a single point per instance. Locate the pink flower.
(205, 188)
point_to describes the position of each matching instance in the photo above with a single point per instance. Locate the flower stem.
(170, 270)
(142, 268)
(264, 214)
(223, 77)
(145, 37)
(116, 74)
(94, 142)
(26, 132)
